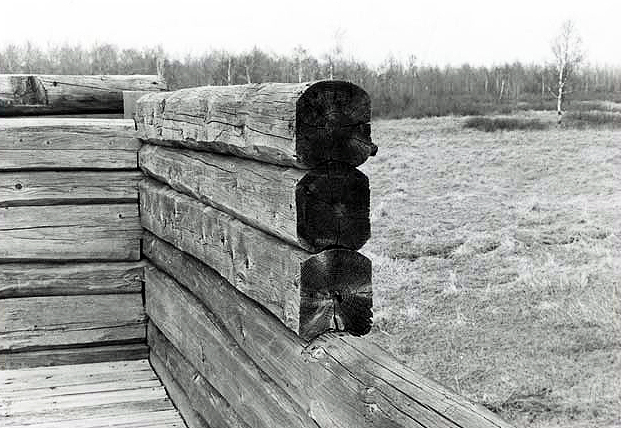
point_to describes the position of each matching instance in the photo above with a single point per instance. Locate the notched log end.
(333, 124)
(332, 205)
(336, 294)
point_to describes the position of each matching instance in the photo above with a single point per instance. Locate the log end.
(332, 205)
(336, 294)
(333, 124)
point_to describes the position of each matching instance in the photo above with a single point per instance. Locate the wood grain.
(67, 143)
(111, 394)
(68, 187)
(67, 279)
(325, 207)
(70, 232)
(182, 401)
(24, 94)
(82, 355)
(338, 379)
(210, 349)
(281, 277)
(174, 369)
(34, 323)
(130, 99)
(303, 125)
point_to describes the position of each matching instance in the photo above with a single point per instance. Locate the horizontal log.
(50, 143)
(324, 207)
(24, 94)
(69, 279)
(339, 380)
(303, 125)
(190, 328)
(177, 395)
(70, 232)
(309, 293)
(33, 323)
(196, 399)
(68, 187)
(59, 357)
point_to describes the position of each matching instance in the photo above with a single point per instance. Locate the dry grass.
(497, 264)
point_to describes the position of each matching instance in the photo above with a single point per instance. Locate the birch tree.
(568, 54)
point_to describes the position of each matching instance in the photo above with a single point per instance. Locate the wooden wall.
(256, 295)
(71, 274)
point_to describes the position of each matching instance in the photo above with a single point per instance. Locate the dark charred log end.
(332, 204)
(336, 294)
(333, 124)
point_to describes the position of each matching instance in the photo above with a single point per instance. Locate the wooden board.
(338, 379)
(190, 328)
(67, 279)
(64, 143)
(300, 124)
(325, 207)
(34, 323)
(176, 372)
(70, 232)
(68, 187)
(57, 357)
(112, 394)
(310, 293)
(23, 94)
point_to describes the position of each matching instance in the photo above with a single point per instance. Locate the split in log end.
(333, 124)
(333, 207)
(336, 294)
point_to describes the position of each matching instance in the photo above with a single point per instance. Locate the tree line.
(397, 88)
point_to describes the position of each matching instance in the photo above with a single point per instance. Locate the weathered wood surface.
(177, 394)
(211, 350)
(304, 125)
(202, 398)
(339, 380)
(65, 143)
(34, 323)
(67, 279)
(70, 232)
(57, 357)
(68, 187)
(124, 394)
(309, 293)
(23, 94)
(324, 207)
(130, 98)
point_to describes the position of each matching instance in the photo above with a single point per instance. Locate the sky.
(438, 32)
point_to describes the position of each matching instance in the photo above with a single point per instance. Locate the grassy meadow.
(497, 263)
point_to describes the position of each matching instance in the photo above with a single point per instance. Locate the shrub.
(592, 118)
(491, 124)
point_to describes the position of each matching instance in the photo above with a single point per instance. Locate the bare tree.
(568, 54)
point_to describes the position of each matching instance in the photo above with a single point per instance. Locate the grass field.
(497, 264)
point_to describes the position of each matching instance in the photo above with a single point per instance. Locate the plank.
(67, 143)
(177, 373)
(33, 323)
(324, 207)
(303, 125)
(340, 380)
(68, 187)
(188, 325)
(67, 279)
(27, 94)
(310, 293)
(182, 402)
(55, 357)
(70, 232)
(157, 419)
